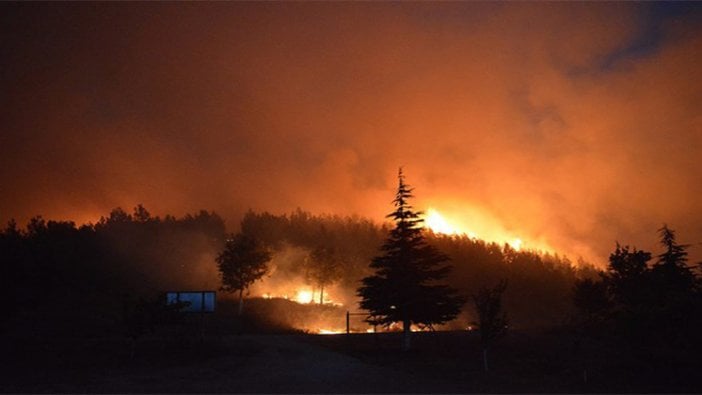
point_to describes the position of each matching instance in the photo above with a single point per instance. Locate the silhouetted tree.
(405, 287)
(492, 320)
(628, 278)
(11, 230)
(322, 268)
(141, 214)
(645, 305)
(592, 300)
(117, 215)
(243, 261)
(677, 300)
(671, 269)
(625, 297)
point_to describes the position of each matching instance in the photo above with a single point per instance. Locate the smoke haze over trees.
(128, 255)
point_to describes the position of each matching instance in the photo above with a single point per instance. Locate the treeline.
(539, 284)
(644, 301)
(57, 276)
(60, 274)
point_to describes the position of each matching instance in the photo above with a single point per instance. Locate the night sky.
(570, 126)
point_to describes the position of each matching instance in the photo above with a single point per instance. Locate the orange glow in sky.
(535, 141)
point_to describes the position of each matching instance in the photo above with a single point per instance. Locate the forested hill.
(57, 269)
(539, 284)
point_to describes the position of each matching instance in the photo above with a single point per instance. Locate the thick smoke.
(569, 125)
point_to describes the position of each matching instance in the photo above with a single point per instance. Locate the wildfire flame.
(304, 296)
(516, 244)
(438, 224)
(300, 294)
(329, 332)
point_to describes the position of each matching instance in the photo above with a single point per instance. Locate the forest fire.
(439, 224)
(294, 304)
(301, 296)
(304, 296)
(472, 196)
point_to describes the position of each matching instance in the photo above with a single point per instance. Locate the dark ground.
(539, 361)
(250, 354)
(180, 362)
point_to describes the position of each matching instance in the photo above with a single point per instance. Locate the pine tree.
(671, 269)
(406, 285)
(675, 254)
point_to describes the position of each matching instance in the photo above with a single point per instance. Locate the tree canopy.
(243, 261)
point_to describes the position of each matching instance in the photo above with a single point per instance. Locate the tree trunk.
(407, 334)
(241, 301)
(321, 294)
(485, 361)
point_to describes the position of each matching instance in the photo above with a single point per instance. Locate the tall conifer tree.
(406, 285)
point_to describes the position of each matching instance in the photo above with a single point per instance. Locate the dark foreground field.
(360, 363)
(543, 361)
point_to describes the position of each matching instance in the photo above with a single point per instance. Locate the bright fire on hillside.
(328, 318)
(439, 224)
(302, 296)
